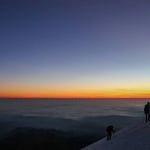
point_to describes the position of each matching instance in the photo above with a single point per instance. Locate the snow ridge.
(134, 137)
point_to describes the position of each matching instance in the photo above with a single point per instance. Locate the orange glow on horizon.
(75, 93)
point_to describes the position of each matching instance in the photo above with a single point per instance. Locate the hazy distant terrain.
(45, 133)
(44, 124)
(89, 125)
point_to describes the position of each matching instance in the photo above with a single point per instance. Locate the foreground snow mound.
(134, 137)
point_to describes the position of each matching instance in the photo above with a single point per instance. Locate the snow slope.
(134, 137)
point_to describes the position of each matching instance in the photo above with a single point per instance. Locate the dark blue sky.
(63, 43)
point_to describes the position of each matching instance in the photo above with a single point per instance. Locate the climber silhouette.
(147, 112)
(109, 130)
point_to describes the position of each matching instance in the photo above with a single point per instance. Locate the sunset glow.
(75, 49)
(76, 93)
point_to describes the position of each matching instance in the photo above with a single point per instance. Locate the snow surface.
(134, 137)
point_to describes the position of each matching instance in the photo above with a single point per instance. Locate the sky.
(74, 48)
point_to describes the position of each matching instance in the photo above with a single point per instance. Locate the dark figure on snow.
(147, 112)
(109, 130)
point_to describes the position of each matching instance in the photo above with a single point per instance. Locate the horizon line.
(78, 97)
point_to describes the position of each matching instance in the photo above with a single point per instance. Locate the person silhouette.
(147, 112)
(109, 130)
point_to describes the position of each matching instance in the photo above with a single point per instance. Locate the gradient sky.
(74, 48)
